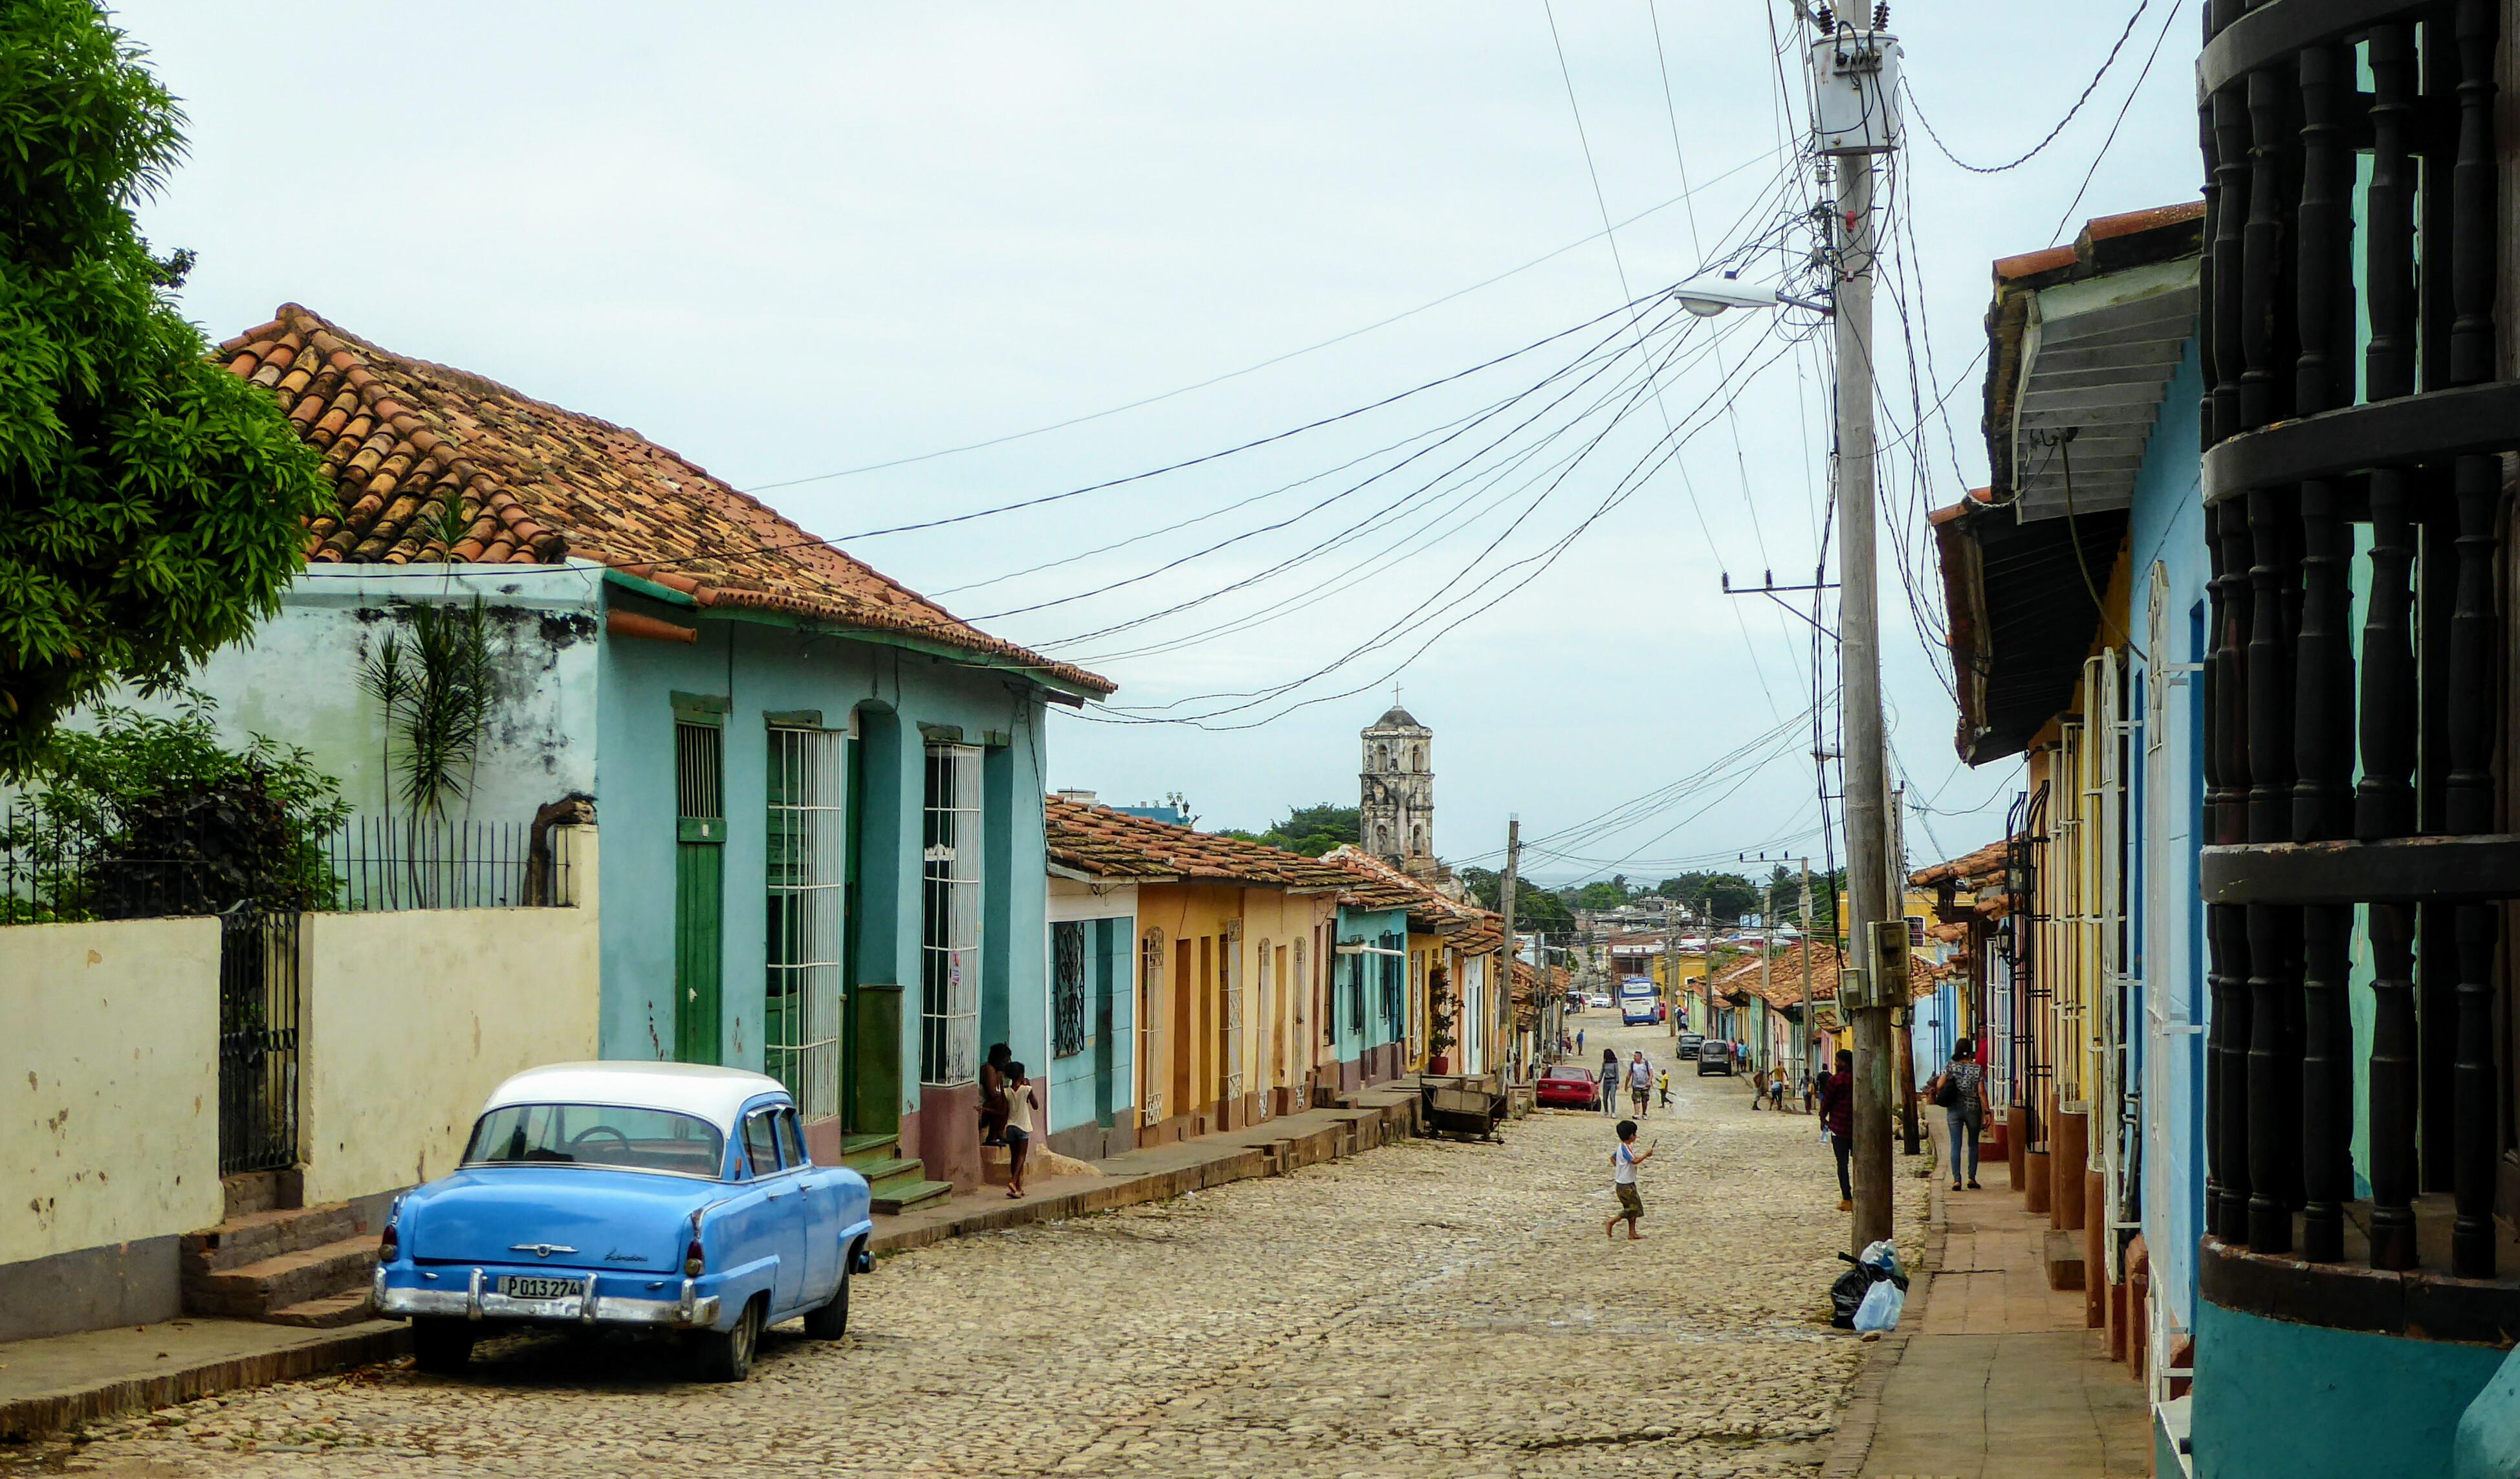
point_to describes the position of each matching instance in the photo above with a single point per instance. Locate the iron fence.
(392, 863)
(55, 872)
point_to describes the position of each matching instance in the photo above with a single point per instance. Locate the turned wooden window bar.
(2292, 94)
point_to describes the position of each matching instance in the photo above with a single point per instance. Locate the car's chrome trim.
(573, 1166)
(686, 1311)
(540, 1250)
(473, 1297)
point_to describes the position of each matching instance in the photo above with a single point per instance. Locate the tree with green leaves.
(1310, 830)
(152, 506)
(1726, 897)
(1534, 907)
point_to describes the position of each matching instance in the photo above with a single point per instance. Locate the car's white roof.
(715, 1094)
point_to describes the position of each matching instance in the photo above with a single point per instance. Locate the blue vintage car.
(669, 1196)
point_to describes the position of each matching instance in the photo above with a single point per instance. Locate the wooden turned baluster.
(2231, 126)
(2468, 795)
(2226, 937)
(2392, 1078)
(2384, 802)
(2261, 243)
(2324, 661)
(2389, 251)
(2271, 1120)
(2229, 819)
(2471, 1233)
(2270, 712)
(2471, 226)
(2327, 1084)
(2207, 432)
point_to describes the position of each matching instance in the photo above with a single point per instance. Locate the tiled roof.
(410, 446)
(1113, 845)
(1785, 977)
(1379, 885)
(1968, 870)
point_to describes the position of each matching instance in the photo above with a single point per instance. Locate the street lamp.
(1710, 296)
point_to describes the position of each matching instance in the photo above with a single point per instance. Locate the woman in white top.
(1020, 1103)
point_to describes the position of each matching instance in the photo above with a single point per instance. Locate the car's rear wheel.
(726, 1355)
(831, 1321)
(441, 1345)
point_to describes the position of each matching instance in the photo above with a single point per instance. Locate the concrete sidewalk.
(47, 1385)
(1992, 1375)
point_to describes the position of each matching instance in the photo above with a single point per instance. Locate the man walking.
(1641, 1083)
(1838, 1113)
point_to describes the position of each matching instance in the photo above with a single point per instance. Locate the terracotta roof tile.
(1380, 886)
(1108, 843)
(431, 464)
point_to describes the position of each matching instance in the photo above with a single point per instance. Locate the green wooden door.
(699, 888)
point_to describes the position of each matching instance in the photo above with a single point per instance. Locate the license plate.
(525, 1287)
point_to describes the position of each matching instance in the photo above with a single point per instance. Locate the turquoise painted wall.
(1110, 964)
(762, 669)
(1356, 973)
(2276, 1400)
(2166, 525)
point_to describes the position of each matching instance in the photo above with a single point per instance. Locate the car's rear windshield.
(595, 1135)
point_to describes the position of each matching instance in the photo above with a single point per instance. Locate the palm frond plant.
(439, 691)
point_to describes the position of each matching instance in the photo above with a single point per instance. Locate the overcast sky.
(797, 241)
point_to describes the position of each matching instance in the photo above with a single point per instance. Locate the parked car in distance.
(1564, 1086)
(1597, 998)
(667, 1198)
(1690, 1042)
(1714, 1058)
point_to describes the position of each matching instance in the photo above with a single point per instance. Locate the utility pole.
(1904, 1018)
(1854, 73)
(1802, 1051)
(1505, 988)
(1767, 943)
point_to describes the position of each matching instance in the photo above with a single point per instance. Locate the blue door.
(778, 1224)
(821, 1216)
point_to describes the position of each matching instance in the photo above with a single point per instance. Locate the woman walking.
(1609, 1081)
(1837, 1115)
(1957, 1090)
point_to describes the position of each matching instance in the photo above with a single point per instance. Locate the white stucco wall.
(411, 1018)
(108, 1084)
(296, 679)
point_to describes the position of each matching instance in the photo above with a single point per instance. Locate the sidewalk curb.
(49, 1412)
(1861, 1418)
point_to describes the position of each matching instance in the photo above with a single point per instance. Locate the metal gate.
(257, 1041)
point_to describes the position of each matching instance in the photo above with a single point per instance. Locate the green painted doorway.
(700, 881)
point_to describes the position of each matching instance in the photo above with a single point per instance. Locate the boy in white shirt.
(1624, 1161)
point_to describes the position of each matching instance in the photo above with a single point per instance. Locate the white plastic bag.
(1880, 1254)
(1880, 1308)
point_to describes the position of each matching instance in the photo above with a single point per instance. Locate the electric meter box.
(1855, 92)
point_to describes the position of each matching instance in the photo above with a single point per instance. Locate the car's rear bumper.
(472, 1293)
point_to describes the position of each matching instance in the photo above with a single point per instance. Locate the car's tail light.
(693, 1260)
(390, 1246)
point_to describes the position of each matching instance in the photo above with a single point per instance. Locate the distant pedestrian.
(1759, 1090)
(1662, 1087)
(1625, 1157)
(1021, 1102)
(1578, 1040)
(1960, 1089)
(1609, 1081)
(1837, 1115)
(1777, 1090)
(1640, 1081)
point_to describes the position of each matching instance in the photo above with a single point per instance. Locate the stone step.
(256, 1236)
(253, 1291)
(874, 1147)
(902, 1196)
(329, 1313)
(891, 1169)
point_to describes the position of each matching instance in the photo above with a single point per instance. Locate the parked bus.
(1635, 1001)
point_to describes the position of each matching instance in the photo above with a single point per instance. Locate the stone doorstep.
(2062, 1251)
(257, 1235)
(331, 1312)
(254, 1290)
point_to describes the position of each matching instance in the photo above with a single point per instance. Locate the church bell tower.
(1396, 792)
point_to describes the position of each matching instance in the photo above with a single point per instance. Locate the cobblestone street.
(1427, 1308)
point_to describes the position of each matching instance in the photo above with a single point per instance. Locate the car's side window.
(761, 1142)
(791, 1140)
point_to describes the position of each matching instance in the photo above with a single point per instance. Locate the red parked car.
(1567, 1087)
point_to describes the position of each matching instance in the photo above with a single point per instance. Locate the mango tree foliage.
(152, 504)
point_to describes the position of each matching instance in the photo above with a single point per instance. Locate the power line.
(2034, 149)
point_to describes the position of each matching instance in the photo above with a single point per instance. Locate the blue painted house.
(819, 794)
